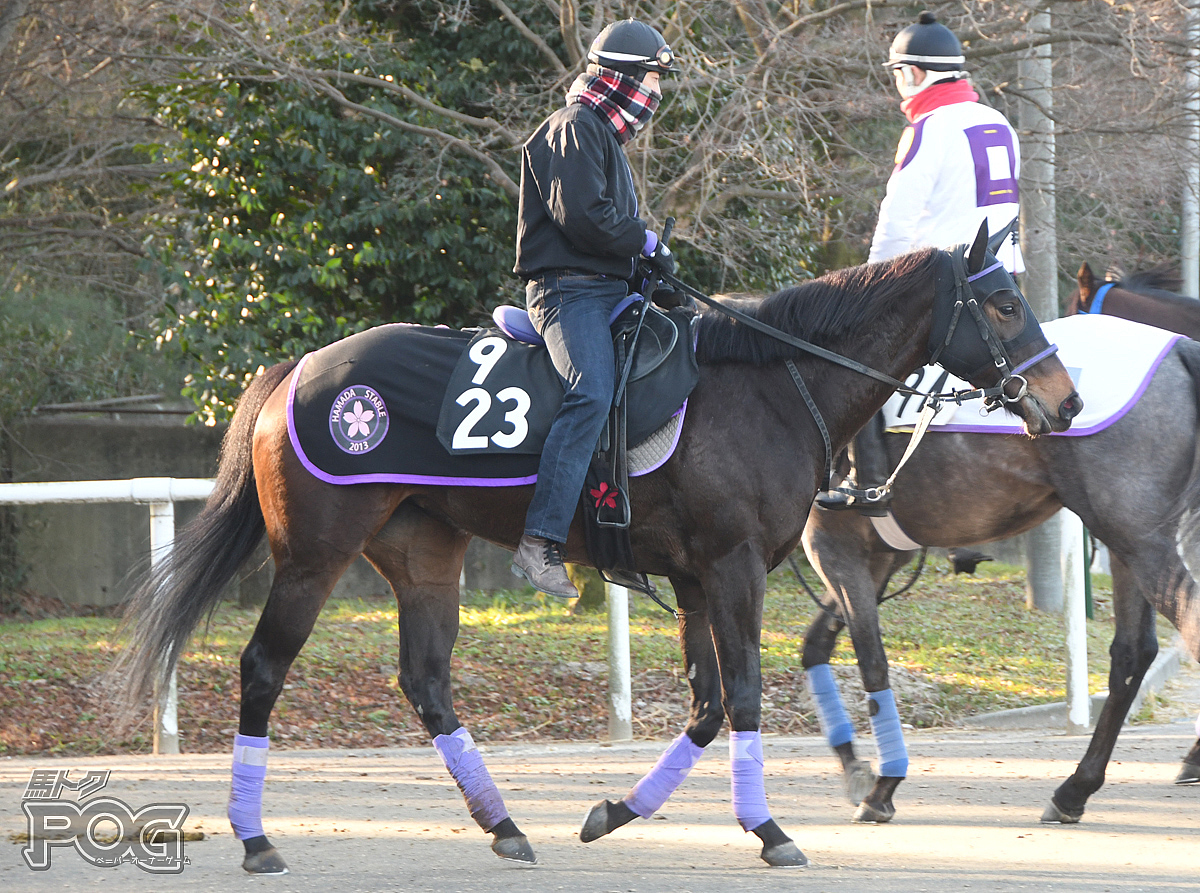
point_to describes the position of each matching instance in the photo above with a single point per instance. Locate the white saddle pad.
(1111, 361)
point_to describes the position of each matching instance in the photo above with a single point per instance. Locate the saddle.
(644, 337)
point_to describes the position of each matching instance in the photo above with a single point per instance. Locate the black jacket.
(578, 210)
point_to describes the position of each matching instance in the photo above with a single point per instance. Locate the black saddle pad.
(413, 404)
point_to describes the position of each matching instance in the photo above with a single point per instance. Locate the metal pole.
(1078, 699)
(1189, 236)
(620, 690)
(166, 705)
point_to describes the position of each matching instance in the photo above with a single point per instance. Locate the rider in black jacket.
(578, 240)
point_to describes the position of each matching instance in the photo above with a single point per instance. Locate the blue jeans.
(571, 312)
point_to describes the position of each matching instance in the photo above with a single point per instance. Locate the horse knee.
(743, 717)
(705, 723)
(430, 698)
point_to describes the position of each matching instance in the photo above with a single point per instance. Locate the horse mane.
(1161, 281)
(825, 309)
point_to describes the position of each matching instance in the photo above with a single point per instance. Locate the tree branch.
(495, 171)
(542, 46)
(413, 97)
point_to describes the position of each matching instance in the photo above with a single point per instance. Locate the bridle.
(962, 357)
(949, 344)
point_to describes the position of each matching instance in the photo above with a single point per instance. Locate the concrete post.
(1039, 245)
(1189, 248)
(166, 705)
(1073, 570)
(620, 690)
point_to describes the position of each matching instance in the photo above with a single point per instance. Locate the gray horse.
(1135, 484)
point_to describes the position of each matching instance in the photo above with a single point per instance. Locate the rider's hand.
(658, 256)
(668, 298)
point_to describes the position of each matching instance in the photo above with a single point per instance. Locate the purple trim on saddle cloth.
(246, 786)
(749, 790)
(959, 428)
(462, 759)
(649, 794)
(431, 479)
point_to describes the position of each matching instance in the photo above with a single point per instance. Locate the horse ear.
(1086, 280)
(978, 249)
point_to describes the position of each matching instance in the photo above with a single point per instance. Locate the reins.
(993, 397)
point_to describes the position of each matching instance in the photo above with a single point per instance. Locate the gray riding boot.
(540, 562)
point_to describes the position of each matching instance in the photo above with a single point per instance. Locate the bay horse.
(1135, 484)
(728, 506)
(1148, 296)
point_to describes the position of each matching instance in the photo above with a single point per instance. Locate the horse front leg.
(735, 584)
(422, 558)
(651, 792)
(820, 640)
(1134, 645)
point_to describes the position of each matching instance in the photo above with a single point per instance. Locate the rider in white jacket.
(957, 165)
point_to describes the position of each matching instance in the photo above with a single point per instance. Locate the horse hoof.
(267, 862)
(859, 780)
(1055, 815)
(595, 823)
(514, 849)
(1189, 774)
(870, 814)
(784, 855)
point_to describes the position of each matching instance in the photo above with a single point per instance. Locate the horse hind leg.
(1133, 648)
(422, 559)
(819, 642)
(298, 593)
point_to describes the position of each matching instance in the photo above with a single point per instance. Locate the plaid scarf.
(624, 101)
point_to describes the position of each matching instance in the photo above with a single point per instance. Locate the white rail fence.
(161, 494)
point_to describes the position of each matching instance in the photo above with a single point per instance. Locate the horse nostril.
(1070, 407)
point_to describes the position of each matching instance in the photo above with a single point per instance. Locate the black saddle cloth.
(413, 404)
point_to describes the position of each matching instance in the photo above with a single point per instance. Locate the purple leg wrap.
(246, 789)
(831, 712)
(649, 794)
(749, 792)
(462, 758)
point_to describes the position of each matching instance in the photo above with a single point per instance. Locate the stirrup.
(873, 501)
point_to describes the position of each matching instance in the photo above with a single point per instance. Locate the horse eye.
(1007, 310)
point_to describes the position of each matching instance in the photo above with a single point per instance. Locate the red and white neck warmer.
(624, 101)
(936, 96)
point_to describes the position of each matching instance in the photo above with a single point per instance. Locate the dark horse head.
(1148, 296)
(985, 332)
(980, 328)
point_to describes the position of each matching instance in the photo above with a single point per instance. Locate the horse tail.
(174, 594)
(1187, 535)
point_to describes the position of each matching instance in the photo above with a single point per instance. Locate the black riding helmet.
(631, 47)
(928, 44)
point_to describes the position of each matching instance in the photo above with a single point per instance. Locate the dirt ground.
(390, 819)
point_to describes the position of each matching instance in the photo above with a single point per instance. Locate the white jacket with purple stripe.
(955, 166)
